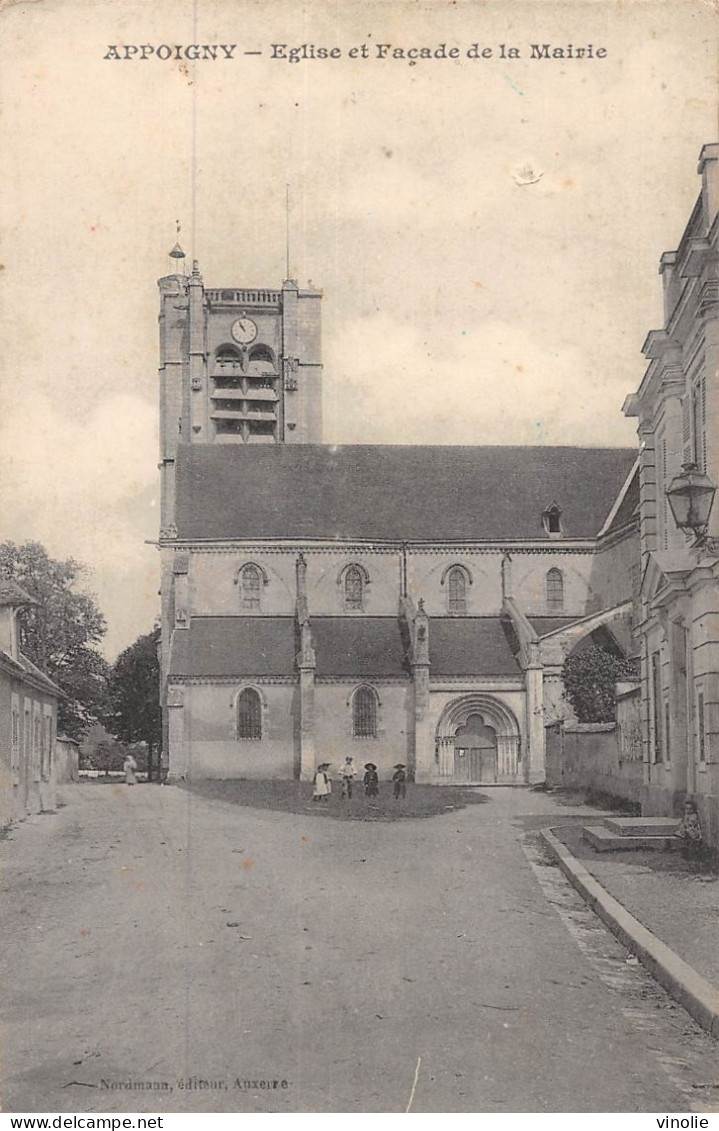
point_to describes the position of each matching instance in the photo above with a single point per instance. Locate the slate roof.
(628, 507)
(393, 493)
(12, 594)
(470, 646)
(24, 670)
(218, 646)
(358, 646)
(355, 647)
(544, 625)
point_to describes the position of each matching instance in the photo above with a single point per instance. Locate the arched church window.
(555, 590)
(456, 591)
(354, 588)
(364, 713)
(250, 587)
(249, 714)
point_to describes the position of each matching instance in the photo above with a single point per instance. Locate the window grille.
(457, 592)
(354, 588)
(364, 713)
(249, 714)
(555, 590)
(251, 585)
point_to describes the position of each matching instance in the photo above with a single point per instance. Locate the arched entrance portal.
(475, 751)
(478, 742)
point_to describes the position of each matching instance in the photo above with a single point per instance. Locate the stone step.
(603, 840)
(642, 826)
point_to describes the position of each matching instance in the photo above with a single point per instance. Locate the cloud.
(493, 383)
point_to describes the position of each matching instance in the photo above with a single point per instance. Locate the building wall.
(213, 748)
(28, 721)
(677, 407)
(214, 589)
(614, 576)
(333, 726)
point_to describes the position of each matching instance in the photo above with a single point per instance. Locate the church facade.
(395, 603)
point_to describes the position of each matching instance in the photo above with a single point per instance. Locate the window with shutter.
(686, 430)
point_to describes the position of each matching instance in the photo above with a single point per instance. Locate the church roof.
(358, 646)
(352, 647)
(219, 646)
(393, 493)
(470, 646)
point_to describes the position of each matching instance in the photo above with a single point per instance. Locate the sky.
(486, 231)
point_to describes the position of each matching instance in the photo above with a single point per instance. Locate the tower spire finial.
(177, 253)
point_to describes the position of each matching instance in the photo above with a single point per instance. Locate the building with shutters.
(410, 604)
(28, 719)
(677, 410)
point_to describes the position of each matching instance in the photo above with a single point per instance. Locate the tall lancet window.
(249, 714)
(354, 589)
(250, 583)
(457, 592)
(555, 590)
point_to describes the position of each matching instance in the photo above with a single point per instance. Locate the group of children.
(347, 774)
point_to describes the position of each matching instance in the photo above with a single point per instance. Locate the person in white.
(322, 783)
(348, 772)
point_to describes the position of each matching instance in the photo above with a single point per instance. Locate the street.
(166, 952)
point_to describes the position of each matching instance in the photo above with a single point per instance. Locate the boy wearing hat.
(371, 780)
(399, 777)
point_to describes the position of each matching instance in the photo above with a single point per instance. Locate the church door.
(475, 752)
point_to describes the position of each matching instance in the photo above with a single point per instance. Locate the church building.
(405, 604)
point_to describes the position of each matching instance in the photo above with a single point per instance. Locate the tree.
(132, 712)
(589, 677)
(59, 633)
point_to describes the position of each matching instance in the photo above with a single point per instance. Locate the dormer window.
(552, 520)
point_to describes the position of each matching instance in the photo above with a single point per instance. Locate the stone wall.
(602, 757)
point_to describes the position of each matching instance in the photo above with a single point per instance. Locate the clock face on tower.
(243, 330)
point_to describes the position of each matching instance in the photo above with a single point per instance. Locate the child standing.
(371, 781)
(690, 831)
(399, 777)
(322, 783)
(348, 774)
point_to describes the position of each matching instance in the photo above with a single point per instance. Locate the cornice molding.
(418, 549)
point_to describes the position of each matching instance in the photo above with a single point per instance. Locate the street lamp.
(691, 495)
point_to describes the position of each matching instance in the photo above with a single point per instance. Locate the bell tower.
(238, 365)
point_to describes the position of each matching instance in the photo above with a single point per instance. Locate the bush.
(589, 677)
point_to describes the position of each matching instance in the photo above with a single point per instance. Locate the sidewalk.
(677, 901)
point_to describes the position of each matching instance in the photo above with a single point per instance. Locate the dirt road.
(165, 952)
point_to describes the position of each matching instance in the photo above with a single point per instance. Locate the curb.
(699, 997)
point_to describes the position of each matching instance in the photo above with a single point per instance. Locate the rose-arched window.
(364, 713)
(249, 714)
